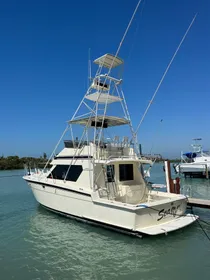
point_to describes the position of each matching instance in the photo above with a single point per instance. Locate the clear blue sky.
(43, 69)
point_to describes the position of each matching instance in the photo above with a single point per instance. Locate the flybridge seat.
(100, 85)
(120, 143)
(108, 61)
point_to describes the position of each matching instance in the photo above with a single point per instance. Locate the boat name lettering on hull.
(165, 212)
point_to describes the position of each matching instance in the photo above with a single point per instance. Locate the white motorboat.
(194, 163)
(97, 178)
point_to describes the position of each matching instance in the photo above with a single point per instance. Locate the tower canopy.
(100, 121)
(108, 61)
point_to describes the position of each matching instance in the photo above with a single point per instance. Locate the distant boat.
(195, 163)
(158, 186)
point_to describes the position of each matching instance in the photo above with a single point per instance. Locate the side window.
(59, 172)
(110, 173)
(74, 173)
(126, 172)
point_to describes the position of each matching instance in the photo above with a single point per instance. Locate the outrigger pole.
(164, 74)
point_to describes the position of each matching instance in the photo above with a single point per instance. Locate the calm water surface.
(37, 244)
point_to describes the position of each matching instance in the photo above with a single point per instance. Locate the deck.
(200, 203)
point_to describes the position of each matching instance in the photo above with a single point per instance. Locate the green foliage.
(14, 162)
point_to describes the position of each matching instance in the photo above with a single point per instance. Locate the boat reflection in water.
(64, 248)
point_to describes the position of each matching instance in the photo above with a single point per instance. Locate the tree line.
(16, 162)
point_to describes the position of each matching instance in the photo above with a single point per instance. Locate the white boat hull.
(154, 219)
(192, 168)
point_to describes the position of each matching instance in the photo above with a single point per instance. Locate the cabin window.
(59, 172)
(110, 173)
(126, 172)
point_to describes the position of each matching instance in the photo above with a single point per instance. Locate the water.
(37, 244)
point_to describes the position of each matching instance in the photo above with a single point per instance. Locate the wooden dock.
(173, 186)
(197, 202)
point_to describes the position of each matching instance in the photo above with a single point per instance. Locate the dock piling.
(173, 186)
(169, 181)
(206, 171)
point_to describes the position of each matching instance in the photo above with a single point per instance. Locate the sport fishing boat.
(98, 178)
(195, 163)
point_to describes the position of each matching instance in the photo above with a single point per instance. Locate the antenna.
(89, 67)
